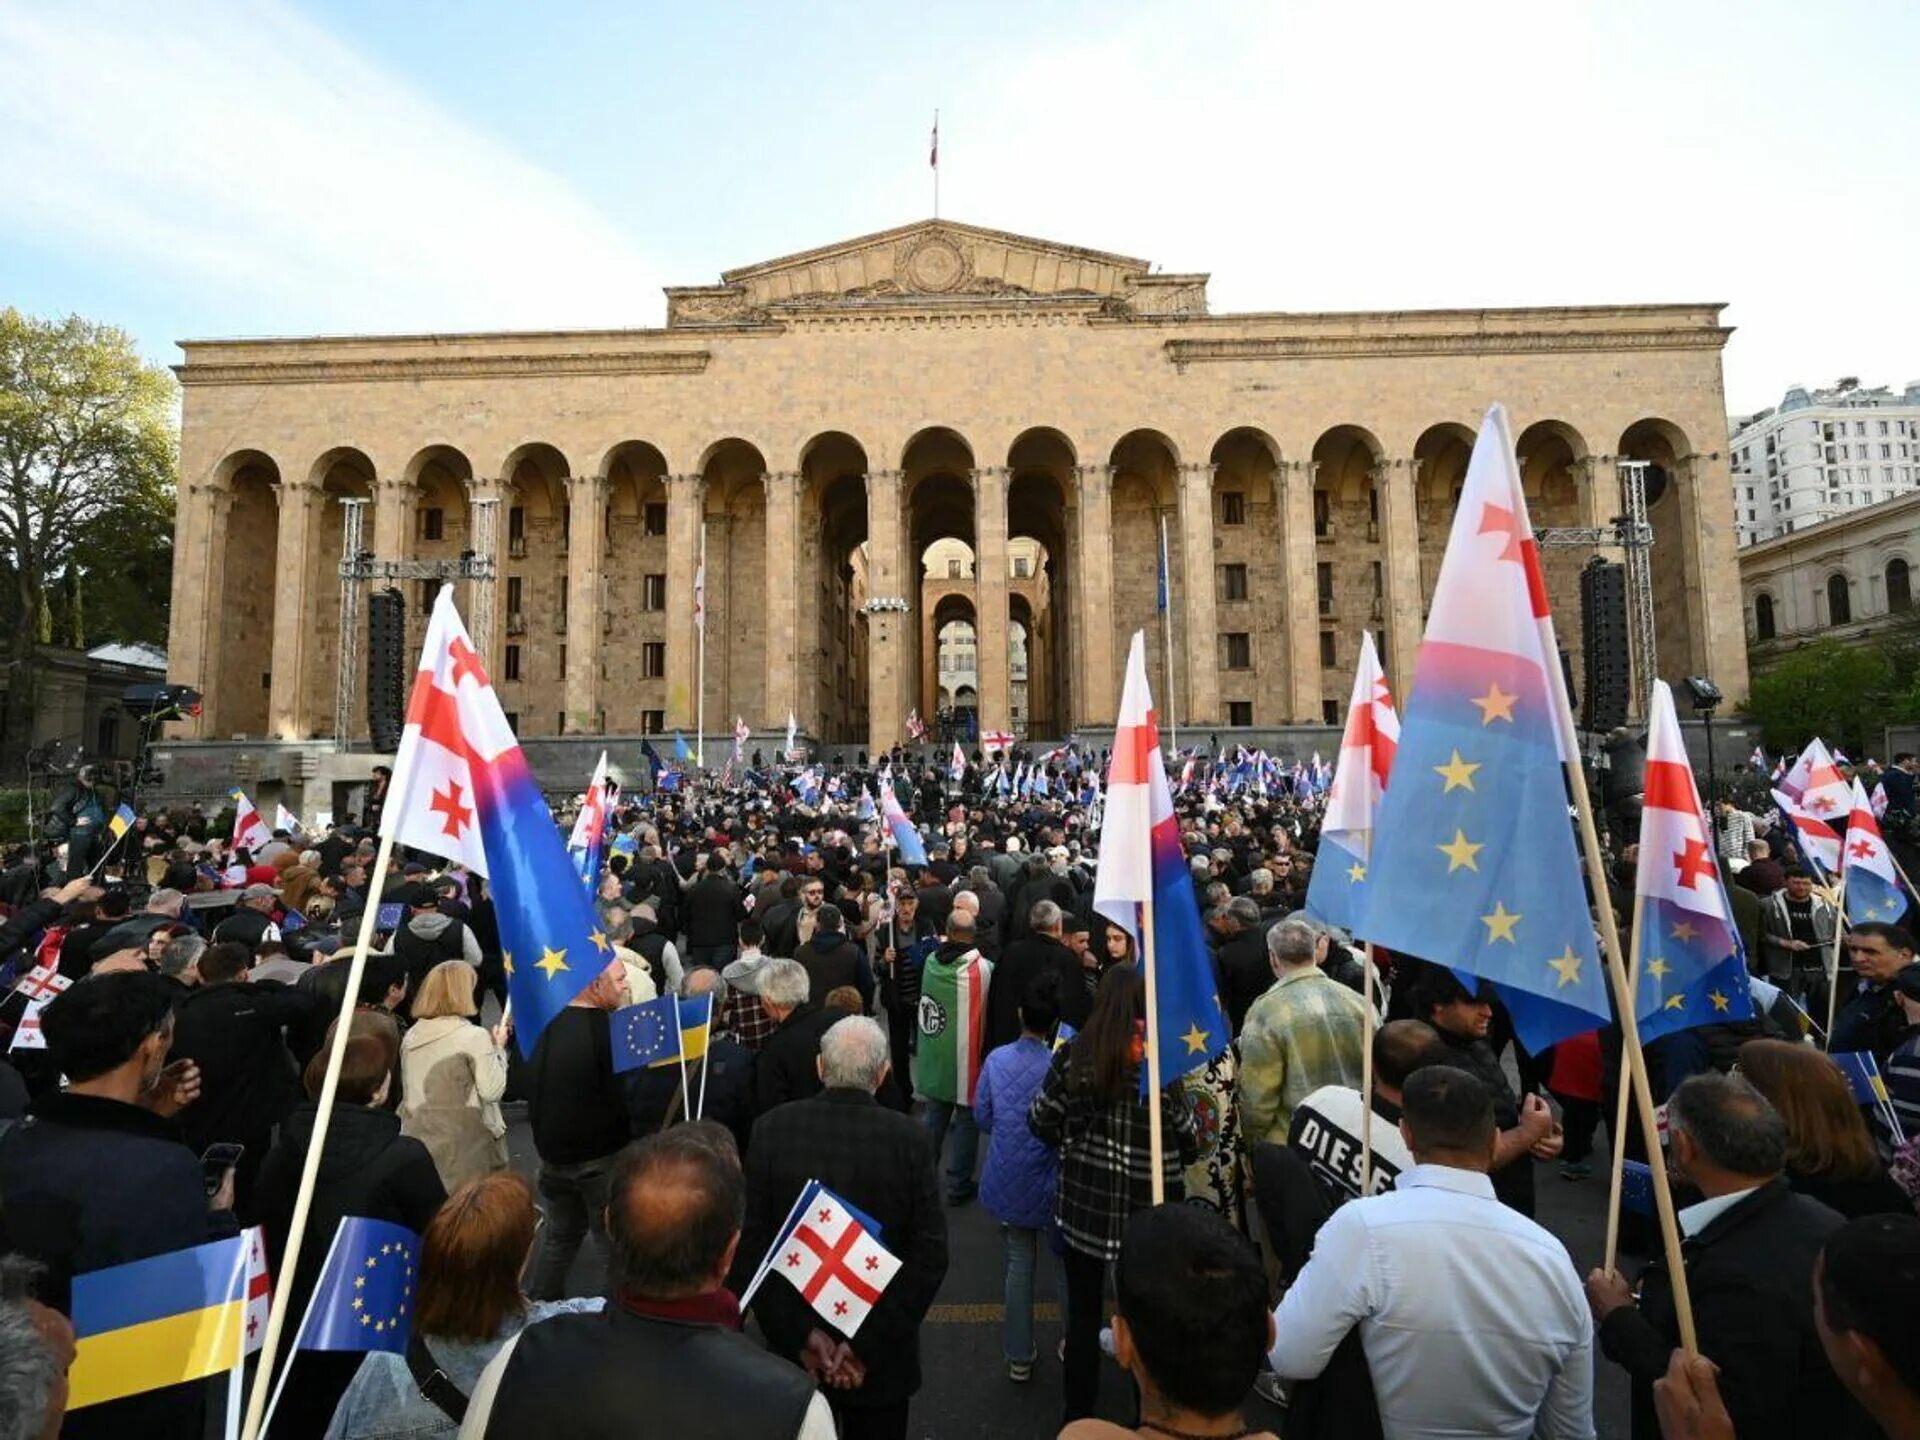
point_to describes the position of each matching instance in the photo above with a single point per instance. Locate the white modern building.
(1820, 454)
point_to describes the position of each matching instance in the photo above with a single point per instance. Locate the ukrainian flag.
(158, 1322)
(121, 822)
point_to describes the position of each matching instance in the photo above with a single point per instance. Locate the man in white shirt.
(1471, 1315)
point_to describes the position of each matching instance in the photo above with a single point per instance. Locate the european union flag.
(1863, 1076)
(646, 1034)
(1636, 1188)
(365, 1296)
(681, 750)
(696, 1022)
(1473, 862)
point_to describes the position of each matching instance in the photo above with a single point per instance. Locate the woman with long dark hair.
(1090, 1106)
(1830, 1150)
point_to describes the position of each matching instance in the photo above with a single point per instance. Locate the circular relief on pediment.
(933, 265)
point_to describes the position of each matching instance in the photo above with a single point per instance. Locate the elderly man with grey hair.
(786, 1068)
(1306, 1031)
(36, 1350)
(1241, 957)
(880, 1161)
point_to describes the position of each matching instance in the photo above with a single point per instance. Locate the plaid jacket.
(1106, 1163)
(1308, 1030)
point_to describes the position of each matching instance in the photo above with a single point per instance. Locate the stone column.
(1401, 620)
(485, 599)
(392, 519)
(1599, 486)
(587, 508)
(1097, 696)
(1293, 498)
(783, 601)
(1196, 627)
(990, 596)
(888, 615)
(288, 716)
(686, 500)
(215, 504)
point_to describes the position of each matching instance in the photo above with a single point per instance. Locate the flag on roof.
(462, 789)
(1866, 868)
(1142, 863)
(590, 827)
(906, 838)
(1692, 971)
(1474, 864)
(248, 828)
(1335, 892)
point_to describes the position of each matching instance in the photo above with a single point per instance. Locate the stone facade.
(819, 421)
(1849, 578)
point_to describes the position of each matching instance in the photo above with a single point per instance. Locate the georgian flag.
(39, 986)
(590, 828)
(1866, 869)
(1337, 890)
(285, 819)
(831, 1254)
(993, 741)
(958, 767)
(249, 829)
(1692, 971)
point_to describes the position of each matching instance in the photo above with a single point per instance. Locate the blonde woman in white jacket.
(452, 1074)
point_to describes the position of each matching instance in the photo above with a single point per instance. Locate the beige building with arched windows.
(829, 417)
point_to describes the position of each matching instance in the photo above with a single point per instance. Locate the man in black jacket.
(235, 1033)
(671, 1330)
(577, 1107)
(882, 1163)
(712, 910)
(1750, 1250)
(831, 960)
(1042, 949)
(252, 918)
(1870, 1017)
(787, 1067)
(1245, 971)
(98, 1175)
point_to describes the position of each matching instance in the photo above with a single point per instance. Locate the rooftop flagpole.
(933, 160)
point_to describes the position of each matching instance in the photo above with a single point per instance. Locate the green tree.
(1840, 692)
(87, 446)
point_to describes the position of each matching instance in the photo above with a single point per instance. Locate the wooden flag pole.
(1366, 1074)
(1634, 1057)
(1155, 1145)
(310, 1171)
(1618, 1134)
(1833, 957)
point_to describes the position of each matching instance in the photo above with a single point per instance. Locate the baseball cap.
(259, 892)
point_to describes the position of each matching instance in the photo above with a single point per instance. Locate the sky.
(260, 167)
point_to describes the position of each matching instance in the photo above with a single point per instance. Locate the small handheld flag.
(462, 789)
(249, 829)
(1692, 971)
(364, 1298)
(957, 767)
(831, 1254)
(158, 1322)
(1474, 864)
(1336, 892)
(646, 1034)
(586, 844)
(121, 822)
(906, 836)
(285, 819)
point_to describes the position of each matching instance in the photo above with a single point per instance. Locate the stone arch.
(633, 600)
(1041, 535)
(1765, 626)
(1146, 490)
(1898, 578)
(1674, 565)
(1350, 566)
(1839, 592)
(735, 516)
(1250, 573)
(241, 609)
(832, 675)
(1440, 458)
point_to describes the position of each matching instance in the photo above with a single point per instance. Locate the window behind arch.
(1899, 587)
(1763, 617)
(1839, 601)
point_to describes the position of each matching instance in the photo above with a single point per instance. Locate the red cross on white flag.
(259, 1290)
(836, 1264)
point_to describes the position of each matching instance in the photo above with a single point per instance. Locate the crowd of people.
(1335, 1262)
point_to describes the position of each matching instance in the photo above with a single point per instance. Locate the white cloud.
(236, 149)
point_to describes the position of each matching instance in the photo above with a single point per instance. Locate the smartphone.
(214, 1165)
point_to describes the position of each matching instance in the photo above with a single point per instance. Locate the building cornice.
(1184, 352)
(444, 367)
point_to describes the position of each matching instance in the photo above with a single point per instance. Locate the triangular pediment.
(932, 262)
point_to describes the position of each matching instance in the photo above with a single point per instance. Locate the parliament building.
(936, 441)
